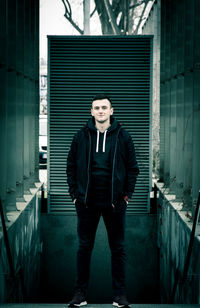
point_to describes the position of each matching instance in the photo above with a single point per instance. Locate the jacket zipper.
(114, 156)
(88, 169)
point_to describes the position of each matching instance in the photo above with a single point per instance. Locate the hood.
(91, 126)
(114, 124)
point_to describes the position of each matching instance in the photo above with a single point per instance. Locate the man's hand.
(74, 201)
(126, 199)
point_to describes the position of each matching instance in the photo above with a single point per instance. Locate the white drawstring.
(97, 145)
(104, 140)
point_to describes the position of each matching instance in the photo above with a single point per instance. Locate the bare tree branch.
(109, 14)
(74, 24)
(103, 17)
(137, 4)
(68, 10)
(93, 12)
(141, 16)
(68, 16)
(112, 18)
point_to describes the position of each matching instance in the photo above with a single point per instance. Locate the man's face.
(101, 110)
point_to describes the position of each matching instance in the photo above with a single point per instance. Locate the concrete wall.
(60, 244)
(174, 229)
(152, 26)
(179, 101)
(19, 143)
(19, 92)
(175, 25)
(24, 240)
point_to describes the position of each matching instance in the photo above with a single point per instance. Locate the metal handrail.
(180, 279)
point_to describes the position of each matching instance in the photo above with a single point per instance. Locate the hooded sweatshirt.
(101, 165)
(123, 161)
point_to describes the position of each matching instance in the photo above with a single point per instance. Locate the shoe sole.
(120, 306)
(78, 305)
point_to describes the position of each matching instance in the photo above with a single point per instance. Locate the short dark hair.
(102, 96)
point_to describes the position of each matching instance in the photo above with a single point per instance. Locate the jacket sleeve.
(132, 168)
(71, 169)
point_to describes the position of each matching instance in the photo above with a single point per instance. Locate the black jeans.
(114, 219)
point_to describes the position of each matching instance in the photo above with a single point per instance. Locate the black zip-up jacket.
(124, 165)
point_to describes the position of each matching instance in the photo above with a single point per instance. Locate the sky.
(53, 22)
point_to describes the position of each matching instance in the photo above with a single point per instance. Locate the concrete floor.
(98, 306)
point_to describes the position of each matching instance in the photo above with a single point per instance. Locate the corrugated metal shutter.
(79, 68)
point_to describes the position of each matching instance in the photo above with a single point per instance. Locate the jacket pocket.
(80, 206)
(121, 205)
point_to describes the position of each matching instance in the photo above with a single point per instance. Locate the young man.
(101, 171)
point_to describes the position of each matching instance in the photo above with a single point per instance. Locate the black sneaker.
(78, 300)
(120, 301)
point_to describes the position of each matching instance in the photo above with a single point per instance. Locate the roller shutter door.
(79, 68)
